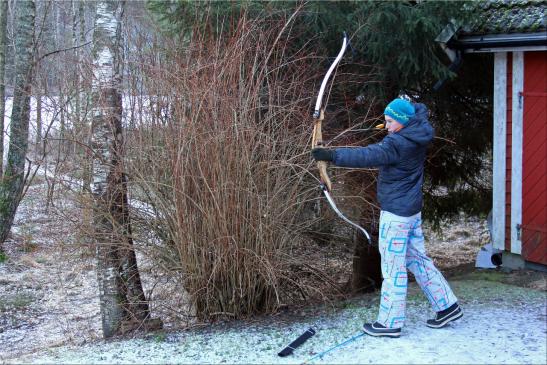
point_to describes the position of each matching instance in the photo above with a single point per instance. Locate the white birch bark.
(121, 295)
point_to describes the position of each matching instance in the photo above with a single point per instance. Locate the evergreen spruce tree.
(396, 39)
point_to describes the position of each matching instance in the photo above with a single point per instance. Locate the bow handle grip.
(317, 142)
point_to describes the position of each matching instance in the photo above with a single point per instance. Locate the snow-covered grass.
(48, 298)
(501, 324)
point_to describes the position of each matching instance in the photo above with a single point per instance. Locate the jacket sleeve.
(385, 152)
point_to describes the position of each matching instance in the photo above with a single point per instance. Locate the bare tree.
(38, 94)
(122, 298)
(12, 183)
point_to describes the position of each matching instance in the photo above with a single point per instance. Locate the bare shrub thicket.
(220, 180)
(222, 168)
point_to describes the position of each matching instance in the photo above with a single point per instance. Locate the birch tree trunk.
(85, 98)
(12, 183)
(38, 94)
(3, 47)
(76, 113)
(60, 33)
(122, 298)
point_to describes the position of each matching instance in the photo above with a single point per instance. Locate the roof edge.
(497, 41)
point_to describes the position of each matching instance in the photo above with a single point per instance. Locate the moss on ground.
(488, 291)
(486, 275)
(17, 301)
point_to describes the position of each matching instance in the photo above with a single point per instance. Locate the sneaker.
(376, 329)
(446, 316)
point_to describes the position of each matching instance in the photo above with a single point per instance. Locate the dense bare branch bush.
(226, 216)
(222, 170)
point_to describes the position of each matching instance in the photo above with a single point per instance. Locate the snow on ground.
(49, 307)
(47, 286)
(501, 324)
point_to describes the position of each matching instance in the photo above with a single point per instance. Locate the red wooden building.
(516, 33)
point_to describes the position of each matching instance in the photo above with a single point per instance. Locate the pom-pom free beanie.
(401, 110)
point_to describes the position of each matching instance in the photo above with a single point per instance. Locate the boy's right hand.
(323, 154)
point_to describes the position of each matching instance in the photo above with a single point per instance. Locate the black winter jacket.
(400, 157)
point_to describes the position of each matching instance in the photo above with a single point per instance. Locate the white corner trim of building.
(516, 152)
(499, 153)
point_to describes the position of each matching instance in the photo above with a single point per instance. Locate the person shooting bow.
(400, 157)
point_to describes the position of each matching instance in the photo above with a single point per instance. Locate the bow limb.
(317, 142)
(344, 218)
(316, 113)
(319, 115)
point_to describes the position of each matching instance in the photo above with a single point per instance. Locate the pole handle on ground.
(296, 343)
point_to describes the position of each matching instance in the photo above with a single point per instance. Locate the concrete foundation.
(512, 261)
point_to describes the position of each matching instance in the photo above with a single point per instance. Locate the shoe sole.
(390, 335)
(446, 321)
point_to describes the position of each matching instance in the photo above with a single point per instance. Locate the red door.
(534, 158)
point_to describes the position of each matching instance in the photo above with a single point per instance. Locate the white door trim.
(516, 152)
(500, 148)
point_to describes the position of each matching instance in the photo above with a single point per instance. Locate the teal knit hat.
(400, 110)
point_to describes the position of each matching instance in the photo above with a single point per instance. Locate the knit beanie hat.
(401, 110)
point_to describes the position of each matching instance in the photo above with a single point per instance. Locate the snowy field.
(49, 311)
(502, 324)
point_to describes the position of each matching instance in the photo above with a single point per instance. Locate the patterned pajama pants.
(401, 244)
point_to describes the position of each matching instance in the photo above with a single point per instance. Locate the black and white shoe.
(376, 329)
(446, 316)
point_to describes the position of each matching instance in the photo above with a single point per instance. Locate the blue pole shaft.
(334, 347)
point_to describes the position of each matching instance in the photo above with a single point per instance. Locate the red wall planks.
(534, 169)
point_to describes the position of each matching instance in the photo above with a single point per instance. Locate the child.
(400, 157)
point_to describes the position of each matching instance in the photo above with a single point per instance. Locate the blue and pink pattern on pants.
(401, 245)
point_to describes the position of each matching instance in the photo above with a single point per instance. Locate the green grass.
(17, 301)
(160, 337)
(494, 291)
(27, 237)
(481, 275)
(350, 305)
(41, 260)
(490, 275)
(3, 257)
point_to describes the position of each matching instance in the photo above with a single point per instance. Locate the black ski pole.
(296, 343)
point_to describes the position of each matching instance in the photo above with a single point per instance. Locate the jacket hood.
(418, 129)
